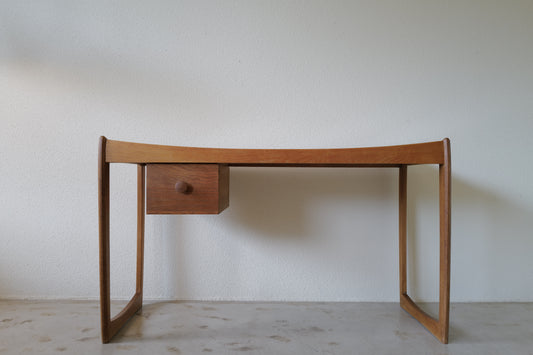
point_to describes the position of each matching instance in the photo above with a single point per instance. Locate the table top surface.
(388, 156)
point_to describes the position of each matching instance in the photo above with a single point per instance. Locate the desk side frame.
(401, 156)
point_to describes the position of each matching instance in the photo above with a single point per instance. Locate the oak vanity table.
(185, 180)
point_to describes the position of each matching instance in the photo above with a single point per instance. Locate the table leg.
(110, 327)
(438, 327)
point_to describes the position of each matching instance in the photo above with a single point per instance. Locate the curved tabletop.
(409, 154)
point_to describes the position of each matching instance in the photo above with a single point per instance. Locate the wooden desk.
(184, 180)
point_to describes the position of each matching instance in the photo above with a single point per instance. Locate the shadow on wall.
(281, 203)
(259, 203)
(282, 198)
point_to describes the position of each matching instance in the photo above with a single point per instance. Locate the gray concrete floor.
(72, 327)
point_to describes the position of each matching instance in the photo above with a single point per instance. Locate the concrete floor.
(72, 327)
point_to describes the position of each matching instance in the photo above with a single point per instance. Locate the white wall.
(268, 74)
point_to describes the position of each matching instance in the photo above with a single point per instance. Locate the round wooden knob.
(183, 187)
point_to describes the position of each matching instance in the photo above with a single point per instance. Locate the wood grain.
(141, 187)
(445, 190)
(438, 327)
(403, 228)
(422, 153)
(103, 226)
(110, 326)
(209, 188)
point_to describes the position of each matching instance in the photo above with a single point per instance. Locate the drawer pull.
(183, 187)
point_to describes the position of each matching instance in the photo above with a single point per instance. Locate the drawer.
(187, 188)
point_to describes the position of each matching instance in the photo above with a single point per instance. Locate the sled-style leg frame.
(438, 327)
(110, 326)
(397, 156)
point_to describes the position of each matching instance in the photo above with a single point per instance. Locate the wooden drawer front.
(207, 191)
